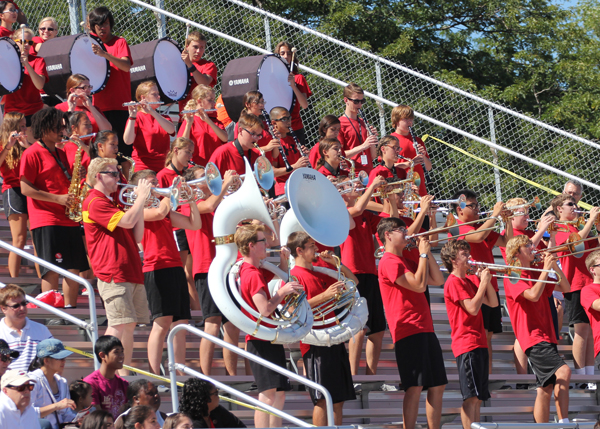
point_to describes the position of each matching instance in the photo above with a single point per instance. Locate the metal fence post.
(494, 153)
(160, 20)
(379, 105)
(73, 16)
(267, 34)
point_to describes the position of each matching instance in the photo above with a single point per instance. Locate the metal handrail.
(573, 425)
(173, 367)
(376, 97)
(91, 327)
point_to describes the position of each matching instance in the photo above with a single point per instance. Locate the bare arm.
(473, 305)
(362, 202)
(123, 63)
(193, 222)
(29, 190)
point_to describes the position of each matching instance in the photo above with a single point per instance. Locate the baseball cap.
(16, 378)
(53, 348)
(5, 350)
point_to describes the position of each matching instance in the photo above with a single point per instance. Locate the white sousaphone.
(317, 208)
(247, 203)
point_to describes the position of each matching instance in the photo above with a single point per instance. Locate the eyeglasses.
(395, 148)
(114, 174)
(401, 230)
(262, 239)
(5, 358)
(84, 87)
(569, 204)
(356, 101)
(47, 29)
(25, 42)
(11, 11)
(284, 119)
(22, 388)
(255, 136)
(261, 101)
(16, 306)
(473, 206)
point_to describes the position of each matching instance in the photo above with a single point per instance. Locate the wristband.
(191, 69)
(132, 118)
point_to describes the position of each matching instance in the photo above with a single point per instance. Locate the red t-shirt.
(589, 294)
(353, 133)
(40, 168)
(407, 312)
(295, 113)
(113, 251)
(264, 140)
(118, 88)
(325, 171)
(201, 244)
(205, 139)
(227, 157)
(573, 267)
(315, 283)
(70, 149)
(32, 51)
(27, 100)
(481, 252)
(408, 151)
(204, 67)
(5, 32)
(541, 245)
(65, 108)
(410, 254)
(468, 332)
(320, 262)
(358, 251)
(382, 170)
(160, 249)
(293, 155)
(314, 155)
(252, 281)
(531, 321)
(151, 144)
(165, 177)
(11, 177)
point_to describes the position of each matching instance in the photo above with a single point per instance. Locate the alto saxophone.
(131, 170)
(73, 210)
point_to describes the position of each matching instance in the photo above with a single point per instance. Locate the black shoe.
(521, 386)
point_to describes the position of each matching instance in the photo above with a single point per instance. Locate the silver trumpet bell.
(191, 190)
(127, 195)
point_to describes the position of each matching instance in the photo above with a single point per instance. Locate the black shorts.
(265, 378)
(420, 361)
(207, 303)
(118, 119)
(492, 317)
(330, 367)
(368, 287)
(544, 361)
(554, 314)
(61, 246)
(573, 309)
(181, 240)
(167, 293)
(473, 374)
(14, 202)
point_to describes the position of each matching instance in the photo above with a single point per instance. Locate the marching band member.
(118, 88)
(203, 252)
(271, 386)
(418, 352)
(79, 125)
(328, 366)
(280, 117)
(204, 129)
(45, 180)
(147, 130)
(353, 133)
(532, 323)
(254, 103)
(590, 300)
(27, 99)
(300, 87)
(48, 29)
(358, 254)
(469, 338)
(578, 275)
(329, 127)
(164, 277)
(7, 18)
(388, 149)
(482, 244)
(112, 236)
(203, 72)
(79, 100)
(402, 120)
(13, 139)
(329, 162)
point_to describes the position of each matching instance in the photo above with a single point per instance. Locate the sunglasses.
(16, 306)
(84, 87)
(114, 174)
(356, 101)
(284, 119)
(26, 42)
(262, 239)
(47, 29)
(569, 204)
(23, 387)
(5, 358)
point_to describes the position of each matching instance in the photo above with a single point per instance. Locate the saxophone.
(73, 210)
(131, 170)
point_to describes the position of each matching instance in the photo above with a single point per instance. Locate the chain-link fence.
(453, 170)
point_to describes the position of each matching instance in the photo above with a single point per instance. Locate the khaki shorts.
(124, 302)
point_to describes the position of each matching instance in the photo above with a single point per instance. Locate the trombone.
(555, 226)
(400, 188)
(461, 201)
(574, 245)
(513, 274)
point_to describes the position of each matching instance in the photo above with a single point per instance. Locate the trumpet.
(597, 222)
(461, 201)
(128, 197)
(555, 226)
(450, 230)
(185, 112)
(212, 178)
(574, 245)
(384, 194)
(263, 171)
(535, 203)
(363, 178)
(139, 103)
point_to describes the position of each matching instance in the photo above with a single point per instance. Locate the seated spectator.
(178, 421)
(141, 392)
(200, 401)
(48, 29)
(98, 419)
(51, 397)
(109, 391)
(16, 411)
(20, 333)
(6, 356)
(141, 417)
(81, 394)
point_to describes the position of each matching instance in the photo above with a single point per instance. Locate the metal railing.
(573, 425)
(174, 367)
(91, 328)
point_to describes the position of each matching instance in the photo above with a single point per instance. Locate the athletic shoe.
(388, 387)
(357, 387)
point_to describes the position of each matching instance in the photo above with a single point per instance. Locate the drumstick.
(294, 50)
(23, 27)
(86, 31)
(187, 31)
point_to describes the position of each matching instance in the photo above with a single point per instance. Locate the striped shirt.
(25, 342)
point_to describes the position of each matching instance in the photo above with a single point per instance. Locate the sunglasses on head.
(356, 101)
(22, 388)
(16, 306)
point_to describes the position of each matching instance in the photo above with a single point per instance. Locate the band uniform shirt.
(118, 87)
(64, 106)
(349, 138)
(541, 246)
(204, 67)
(574, 268)
(27, 99)
(11, 177)
(206, 141)
(589, 294)
(151, 144)
(227, 157)
(201, 243)
(160, 248)
(293, 155)
(252, 281)
(302, 85)
(408, 151)
(358, 251)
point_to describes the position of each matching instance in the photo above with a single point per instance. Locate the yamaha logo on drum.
(54, 67)
(172, 93)
(138, 69)
(239, 81)
(309, 176)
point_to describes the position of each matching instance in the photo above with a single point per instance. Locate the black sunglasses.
(23, 387)
(570, 204)
(356, 101)
(284, 119)
(5, 358)
(16, 306)
(47, 29)
(114, 174)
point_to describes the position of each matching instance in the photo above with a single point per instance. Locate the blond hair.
(400, 112)
(513, 246)
(245, 235)
(199, 93)
(248, 120)
(143, 89)
(178, 143)
(592, 259)
(559, 200)
(49, 18)
(352, 88)
(17, 34)
(96, 166)
(194, 36)
(9, 126)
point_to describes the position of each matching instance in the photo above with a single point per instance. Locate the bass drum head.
(85, 62)
(171, 72)
(11, 71)
(273, 83)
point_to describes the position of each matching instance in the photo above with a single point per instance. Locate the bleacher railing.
(174, 367)
(570, 425)
(90, 327)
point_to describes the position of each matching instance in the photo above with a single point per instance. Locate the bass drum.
(160, 61)
(70, 55)
(265, 73)
(11, 72)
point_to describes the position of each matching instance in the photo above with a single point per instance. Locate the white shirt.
(42, 396)
(25, 343)
(11, 417)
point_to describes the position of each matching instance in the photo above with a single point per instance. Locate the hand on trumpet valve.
(143, 189)
(546, 221)
(499, 209)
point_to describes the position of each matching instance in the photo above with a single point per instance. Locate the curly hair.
(195, 398)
